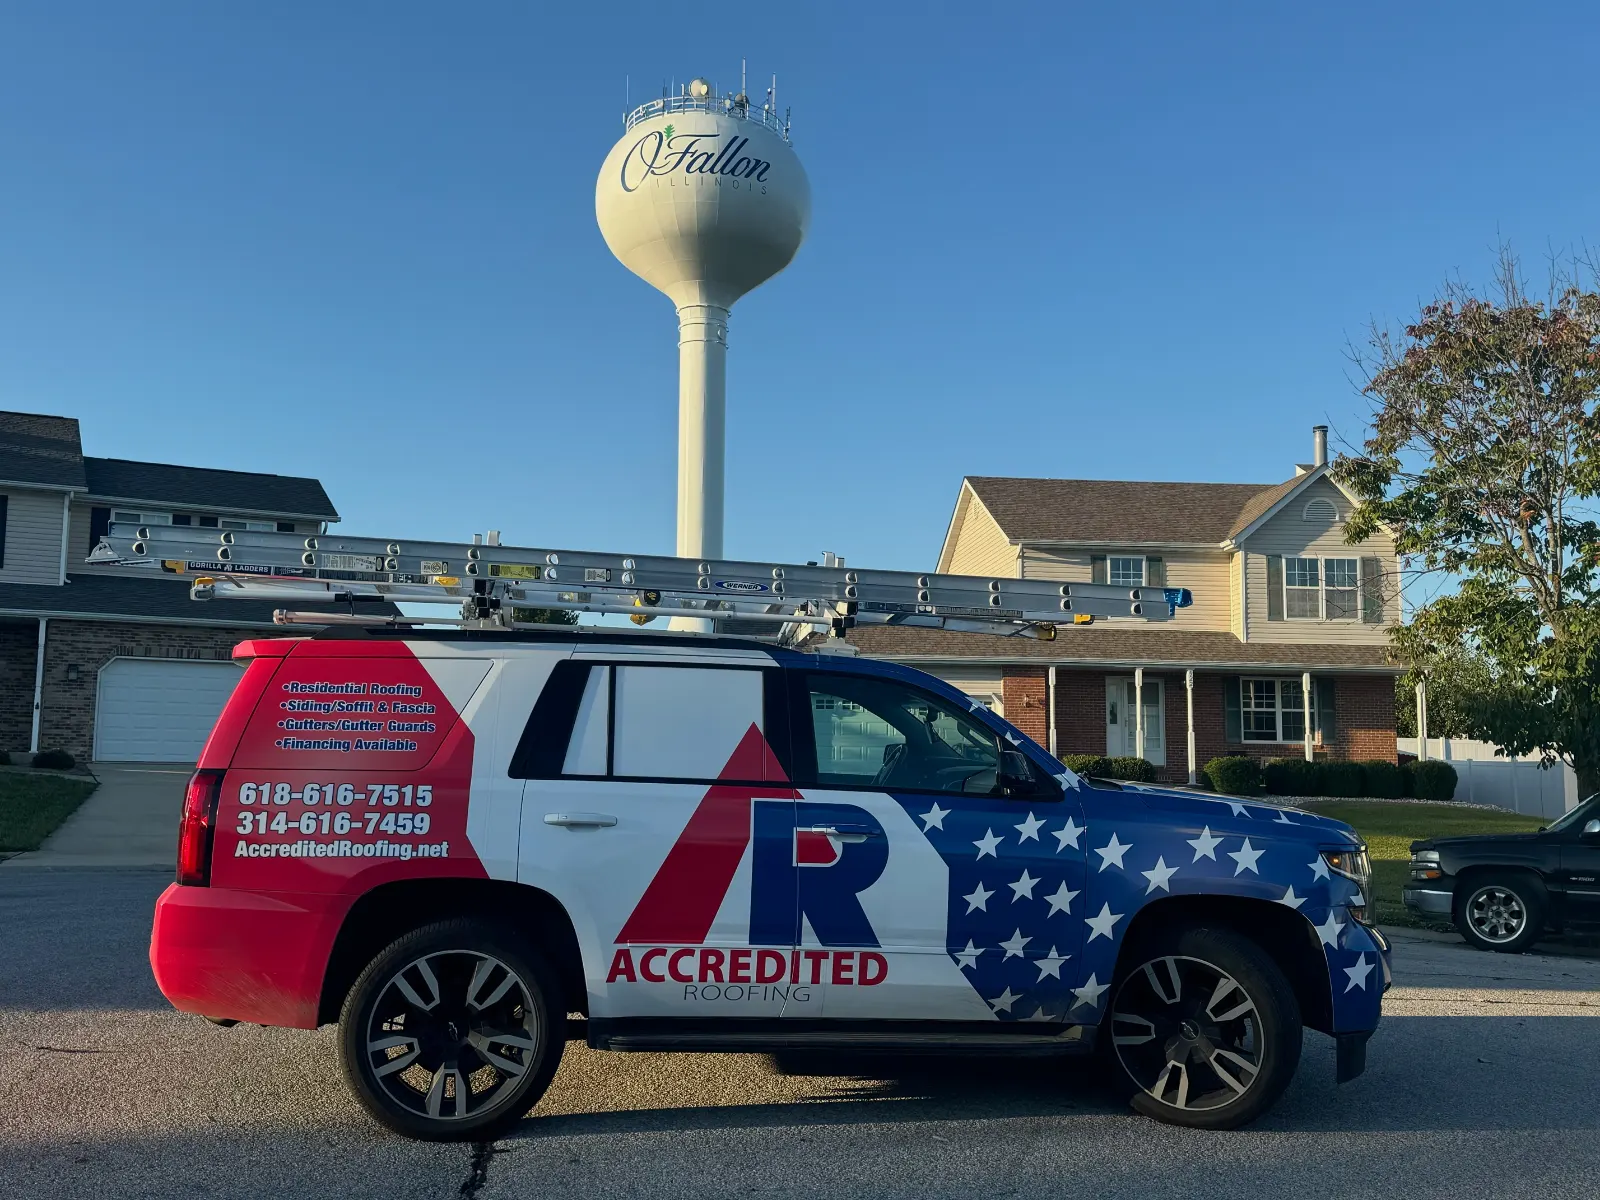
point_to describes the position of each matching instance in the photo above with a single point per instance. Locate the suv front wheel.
(1204, 1030)
(453, 1032)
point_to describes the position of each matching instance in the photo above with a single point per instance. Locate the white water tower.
(704, 199)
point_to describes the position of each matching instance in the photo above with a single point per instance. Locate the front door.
(1122, 734)
(941, 899)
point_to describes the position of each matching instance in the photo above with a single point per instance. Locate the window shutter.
(1155, 572)
(4, 502)
(1097, 568)
(99, 525)
(1327, 723)
(1232, 718)
(1372, 591)
(1274, 587)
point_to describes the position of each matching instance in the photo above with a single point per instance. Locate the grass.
(32, 807)
(1389, 830)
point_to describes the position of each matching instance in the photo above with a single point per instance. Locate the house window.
(1325, 589)
(259, 526)
(1126, 572)
(141, 518)
(1274, 710)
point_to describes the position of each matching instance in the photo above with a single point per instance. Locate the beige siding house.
(1283, 651)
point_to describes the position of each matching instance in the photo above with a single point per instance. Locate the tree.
(545, 616)
(1484, 460)
(1458, 680)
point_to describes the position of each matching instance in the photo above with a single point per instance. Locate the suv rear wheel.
(1204, 1030)
(1500, 912)
(453, 1032)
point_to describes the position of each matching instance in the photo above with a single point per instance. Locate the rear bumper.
(1432, 901)
(245, 956)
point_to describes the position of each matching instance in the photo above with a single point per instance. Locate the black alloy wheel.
(1503, 913)
(1204, 1029)
(450, 1034)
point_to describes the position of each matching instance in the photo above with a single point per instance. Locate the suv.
(1504, 891)
(466, 848)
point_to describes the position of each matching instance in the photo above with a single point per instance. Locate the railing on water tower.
(726, 106)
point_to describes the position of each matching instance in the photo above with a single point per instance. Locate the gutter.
(234, 511)
(1163, 664)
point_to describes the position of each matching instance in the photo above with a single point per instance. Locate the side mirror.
(1591, 829)
(1016, 775)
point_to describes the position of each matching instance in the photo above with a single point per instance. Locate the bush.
(1343, 778)
(1433, 780)
(1134, 770)
(58, 760)
(1292, 777)
(1095, 765)
(1237, 776)
(1384, 780)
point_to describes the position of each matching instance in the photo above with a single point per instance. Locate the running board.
(901, 1037)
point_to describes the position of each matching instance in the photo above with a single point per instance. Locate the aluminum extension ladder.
(489, 581)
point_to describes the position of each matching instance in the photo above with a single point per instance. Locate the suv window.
(868, 732)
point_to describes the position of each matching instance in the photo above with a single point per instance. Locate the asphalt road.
(1481, 1083)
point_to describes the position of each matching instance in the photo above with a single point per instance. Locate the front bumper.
(1431, 900)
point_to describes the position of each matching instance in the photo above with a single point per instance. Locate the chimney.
(1319, 445)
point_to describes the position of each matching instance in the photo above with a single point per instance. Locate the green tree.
(545, 616)
(1484, 460)
(1458, 680)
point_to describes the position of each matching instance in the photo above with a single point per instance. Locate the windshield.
(1589, 808)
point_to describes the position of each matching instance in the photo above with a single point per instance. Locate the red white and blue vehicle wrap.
(668, 799)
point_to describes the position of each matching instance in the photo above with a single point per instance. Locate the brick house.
(92, 661)
(1288, 620)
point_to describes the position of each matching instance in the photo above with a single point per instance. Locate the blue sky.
(357, 241)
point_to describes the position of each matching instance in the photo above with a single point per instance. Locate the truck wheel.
(1500, 912)
(1204, 1029)
(453, 1032)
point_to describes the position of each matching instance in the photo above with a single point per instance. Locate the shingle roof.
(1106, 510)
(1106, 645)
(110, 597)
(40, 450)
(1258, 504)
(204, 487)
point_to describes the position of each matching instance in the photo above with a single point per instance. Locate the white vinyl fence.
(1520, 784)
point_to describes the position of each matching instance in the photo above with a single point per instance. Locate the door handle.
(580, 820)
(846, 833)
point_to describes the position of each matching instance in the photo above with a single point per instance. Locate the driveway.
(131, 820)
(1475, 1090)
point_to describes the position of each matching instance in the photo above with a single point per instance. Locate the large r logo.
(812, 862)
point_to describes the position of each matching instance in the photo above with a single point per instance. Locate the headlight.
(1425, 866)
(1355, 866)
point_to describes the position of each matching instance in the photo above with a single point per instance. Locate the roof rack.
(489, 582)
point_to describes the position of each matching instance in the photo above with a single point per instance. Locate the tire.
(472, 1015)
(1203, 1030)
(1503, 911)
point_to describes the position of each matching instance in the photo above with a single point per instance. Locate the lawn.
(1389, 830)
(32, 807)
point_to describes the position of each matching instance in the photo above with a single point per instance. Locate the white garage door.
(159, 709)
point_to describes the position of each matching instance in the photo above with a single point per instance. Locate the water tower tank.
(704, 199)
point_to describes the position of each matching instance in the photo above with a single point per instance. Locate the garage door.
(159, 709)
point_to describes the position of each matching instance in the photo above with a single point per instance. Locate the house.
(93, 661)
(1283, 652)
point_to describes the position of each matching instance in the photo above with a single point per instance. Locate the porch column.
(1305, 708)
(1050, 717)
(1188, 687)
(1138, 712)
(38, 690)
(1422, 720)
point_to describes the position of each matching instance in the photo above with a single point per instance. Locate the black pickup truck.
(1505, 891)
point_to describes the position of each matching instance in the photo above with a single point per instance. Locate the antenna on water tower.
(705, 203)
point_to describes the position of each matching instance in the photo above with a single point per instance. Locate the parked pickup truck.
(466, 848)
(1505, 891)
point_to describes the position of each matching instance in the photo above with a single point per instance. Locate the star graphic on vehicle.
(1112, 852)
(1004, 1001)
(1050, 964)
(934, 817)
(1330, 930)
(969, 956)
(1062, 900)
(1089, 994)
(988, 843)
(1358, 974)
(1023, 887)
(1291, 899)
(1100, 925)
(1205, 846)
(1319, 867)
(1013, 947)
(1068, 834)
(1246, 857)
(978, 897)
(1029, 829)
(1159, 876)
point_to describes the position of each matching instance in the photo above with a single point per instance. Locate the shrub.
(1433, 780)
(1384, 779)
(58, 760)
(1343, 778)
(1135, 770)
(1097, 765)
(1237, 776)
(1292, 777)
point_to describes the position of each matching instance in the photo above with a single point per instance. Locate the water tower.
(704, 199)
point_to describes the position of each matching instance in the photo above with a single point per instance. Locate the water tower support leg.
(702, 402)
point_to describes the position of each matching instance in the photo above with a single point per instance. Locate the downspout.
(38, 689)
(1188, 687)
(1050, 699)
(66, 528)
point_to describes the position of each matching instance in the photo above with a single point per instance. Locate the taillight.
(197, 826)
